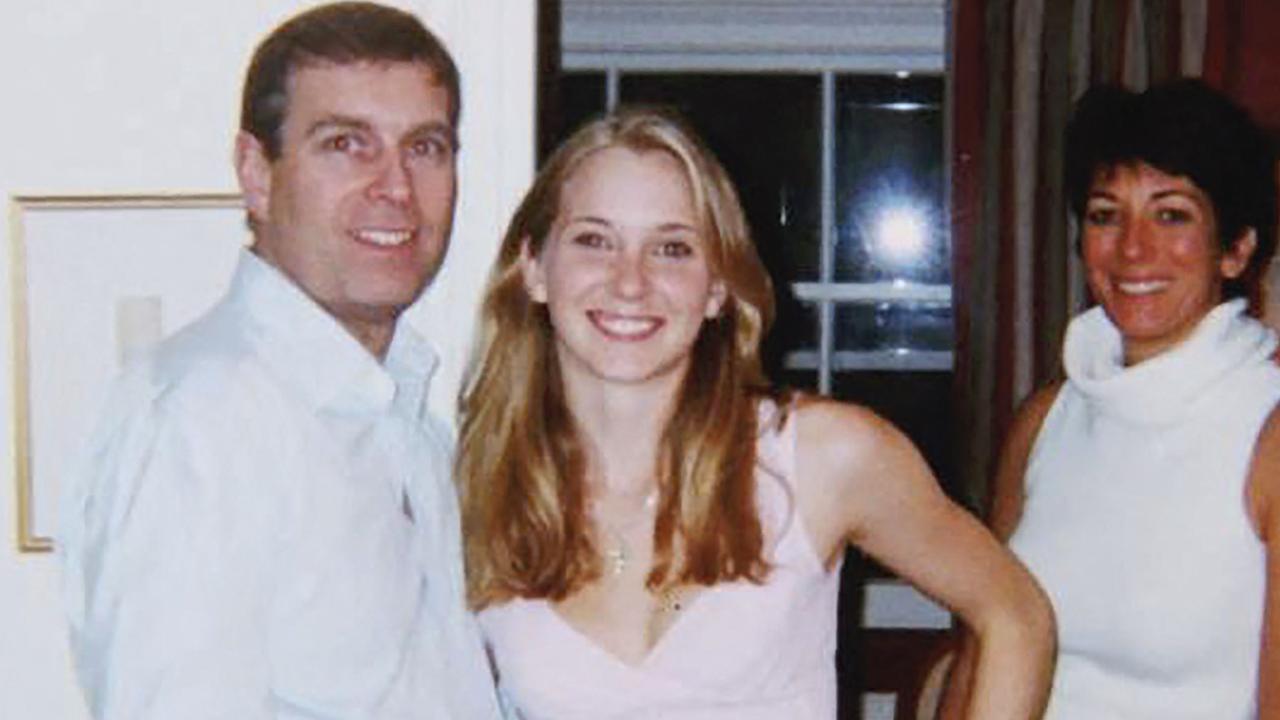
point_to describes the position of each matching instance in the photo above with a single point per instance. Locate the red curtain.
(1017, 66)
(1242, 57)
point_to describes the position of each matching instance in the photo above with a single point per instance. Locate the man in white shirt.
(263, 526)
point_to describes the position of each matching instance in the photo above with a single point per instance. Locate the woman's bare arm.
(1007, 494)
(863, 482)
(1264, 505)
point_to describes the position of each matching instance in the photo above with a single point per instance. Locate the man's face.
(357, 208)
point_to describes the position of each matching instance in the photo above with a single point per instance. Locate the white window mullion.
(891, 291)
(826, 262)
(612, 87)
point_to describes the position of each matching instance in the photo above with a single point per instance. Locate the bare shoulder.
(1264, 480)
(1032, 411)
(1022, 433)
(838, 431)
(850, 462)
(1009, 484)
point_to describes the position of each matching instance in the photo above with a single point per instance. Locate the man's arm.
(167, 580)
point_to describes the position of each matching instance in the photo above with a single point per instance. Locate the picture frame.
(96, 281)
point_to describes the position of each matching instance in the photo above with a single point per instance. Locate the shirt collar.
(312, 352)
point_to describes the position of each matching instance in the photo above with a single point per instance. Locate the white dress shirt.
(263, 526)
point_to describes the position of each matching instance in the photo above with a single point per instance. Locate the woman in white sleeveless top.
(650, 531)
(1144, 491)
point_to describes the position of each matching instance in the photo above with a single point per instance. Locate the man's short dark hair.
(341, 33)
(1183, 128)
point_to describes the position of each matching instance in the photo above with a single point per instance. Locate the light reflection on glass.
(890, 223)
(891, 234)
(905, 106)
(900, 236)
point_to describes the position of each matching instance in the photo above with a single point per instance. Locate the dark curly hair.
(1183, 128)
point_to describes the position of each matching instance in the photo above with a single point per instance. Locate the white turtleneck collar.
(1163, 388)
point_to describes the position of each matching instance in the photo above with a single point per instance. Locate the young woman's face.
(1152, 256)
(624, 271)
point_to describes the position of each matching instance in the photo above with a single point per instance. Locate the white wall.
(142, 97)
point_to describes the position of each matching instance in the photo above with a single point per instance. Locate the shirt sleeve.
(167, 573)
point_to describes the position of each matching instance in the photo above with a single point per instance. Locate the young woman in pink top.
(650, 530)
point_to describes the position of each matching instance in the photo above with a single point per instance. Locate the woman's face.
(1152, 256)
(624, 270)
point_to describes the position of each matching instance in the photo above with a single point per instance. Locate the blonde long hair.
(520, 460)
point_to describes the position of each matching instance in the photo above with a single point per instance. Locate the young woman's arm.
(862, 481)
(1006, 510)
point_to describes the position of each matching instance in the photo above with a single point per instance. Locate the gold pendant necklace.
(670, 599)
(618, 556)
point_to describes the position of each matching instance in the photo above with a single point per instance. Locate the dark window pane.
(919, 403)
(806, 380)
(766, 130)
(580, 96)
(894, 326)
(797, 340)
(890, 222)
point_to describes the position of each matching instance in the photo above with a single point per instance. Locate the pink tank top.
(740, 651)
